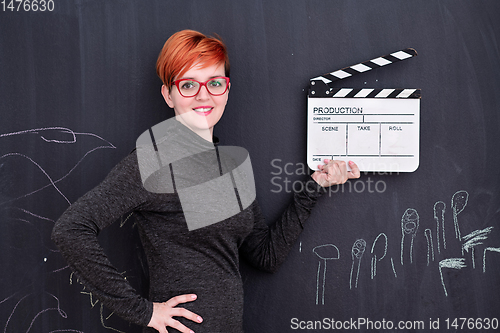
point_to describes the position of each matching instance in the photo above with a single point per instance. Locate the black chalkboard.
(78, 86)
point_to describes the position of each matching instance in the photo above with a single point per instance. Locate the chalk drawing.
(439, 209)
(12, 313)
(102, 320)
(46, 137)
(458, 203)
(71, 140)
(94, 301)
(409, 226)
(393, 269)
(379, 254)
(34, 215)
(474, 239)
(60, 269)
(430, 246)
(91, 297)
(123, 221)
(7, 298)
(52, 182)
(453, 263)
(61, 312)
(357, 251)
(491, 249)
(58, 309)
(410, 223)
(325, 252)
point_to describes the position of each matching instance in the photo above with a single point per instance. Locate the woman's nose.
(203, 93)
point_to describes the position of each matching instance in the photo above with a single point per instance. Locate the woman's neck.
(205, 133)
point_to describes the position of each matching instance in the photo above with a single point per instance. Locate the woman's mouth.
(203, 110)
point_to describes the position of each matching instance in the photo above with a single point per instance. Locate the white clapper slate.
(378, 129)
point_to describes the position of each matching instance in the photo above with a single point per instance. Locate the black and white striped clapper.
(321, 86)
(376, 128)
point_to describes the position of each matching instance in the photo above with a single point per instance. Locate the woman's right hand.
(163, 314)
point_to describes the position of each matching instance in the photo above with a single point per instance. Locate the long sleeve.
(75, 233)
(266, 247)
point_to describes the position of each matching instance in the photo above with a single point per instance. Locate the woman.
(195, 283)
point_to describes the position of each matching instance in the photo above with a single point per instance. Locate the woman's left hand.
(335, 172)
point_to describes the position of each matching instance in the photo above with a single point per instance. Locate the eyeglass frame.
(176, 83)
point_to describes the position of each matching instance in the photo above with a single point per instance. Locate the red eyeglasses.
(215, 86)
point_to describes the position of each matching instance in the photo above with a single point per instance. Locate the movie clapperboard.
(378, 129)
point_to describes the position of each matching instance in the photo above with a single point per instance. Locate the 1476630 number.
(472, 324)
(27, 5)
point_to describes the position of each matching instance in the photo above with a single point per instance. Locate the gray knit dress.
(204, 261)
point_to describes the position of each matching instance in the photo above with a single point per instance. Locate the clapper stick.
(365, 66)
(321, 86)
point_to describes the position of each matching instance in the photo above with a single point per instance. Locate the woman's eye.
(215, 83)
(188, 85)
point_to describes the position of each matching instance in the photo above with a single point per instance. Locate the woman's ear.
(165, 92)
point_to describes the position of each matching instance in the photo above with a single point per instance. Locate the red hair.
(185, 48)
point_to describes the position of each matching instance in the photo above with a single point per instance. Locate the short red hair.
(185, 48)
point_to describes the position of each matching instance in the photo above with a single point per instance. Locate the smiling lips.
(203, 110)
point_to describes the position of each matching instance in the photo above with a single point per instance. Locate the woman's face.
(200, 112)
